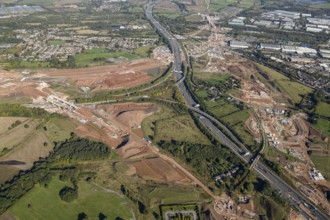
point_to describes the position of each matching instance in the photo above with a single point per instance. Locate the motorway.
(286, 191)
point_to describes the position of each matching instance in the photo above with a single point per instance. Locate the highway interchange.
(286, 191)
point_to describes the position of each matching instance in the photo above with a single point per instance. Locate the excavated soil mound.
(131, 114)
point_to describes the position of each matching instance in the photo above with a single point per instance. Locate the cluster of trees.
(222, 86)
(69, 194)
(131, 196)
(266, 189)
(273, 165)
(44, 169)
(15, 124)
(17, 110)
(208, 160)
(309, 104)
(177, 27)
(80, 149)
(54, 62)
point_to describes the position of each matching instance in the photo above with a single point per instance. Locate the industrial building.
(315, 174)
(289, 49)
(319, 21)
(314, 29)
(238, 44)
(269, 46)
(262, 23)
(281, 14)
(301, 60)
(306, 50)
(237, 21)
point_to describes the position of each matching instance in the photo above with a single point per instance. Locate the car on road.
(266, 171)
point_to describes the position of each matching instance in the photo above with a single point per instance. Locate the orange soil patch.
(139, 132)
(105, 77)
(251, 124)
(88, 131)
(133, 147)
(154, 169)
(130, 114)
(19, 89)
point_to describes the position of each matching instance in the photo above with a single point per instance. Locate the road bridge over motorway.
(286, 191)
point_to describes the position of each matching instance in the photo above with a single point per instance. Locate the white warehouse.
(269, 46)
(238, 44)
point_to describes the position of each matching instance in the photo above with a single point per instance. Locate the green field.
(16, 100)
(57, 42)
(17, 135)
(323, 125)
(71, 91)
(168, 125)
(45, 203)
(321, 5)
(323, 108)
(172, 14)
(218, 5)
(269, 208)
(170, 196)
(322, 164)
(89, 57)
(179, 128)
(59, 129)
(29, 64)
(142, 51)
(293, 89)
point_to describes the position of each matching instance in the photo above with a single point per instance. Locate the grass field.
(269, 208)
(218, 5)
(91, 200)
(180, 128)
(172, 14)
(57, 42)
(322, 108)
(142, 51)
(323, 125)
(26, 151)
(5, 122)
(59, 129)
(166, 125)
(221, 108)
(322, 164)
(17, 135)
(170, 196)
(89, 57)
(16, 100)
(71, 91)
(321, 5)
(293, 89)
(29, 64)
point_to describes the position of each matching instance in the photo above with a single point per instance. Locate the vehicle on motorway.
(266, 171)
